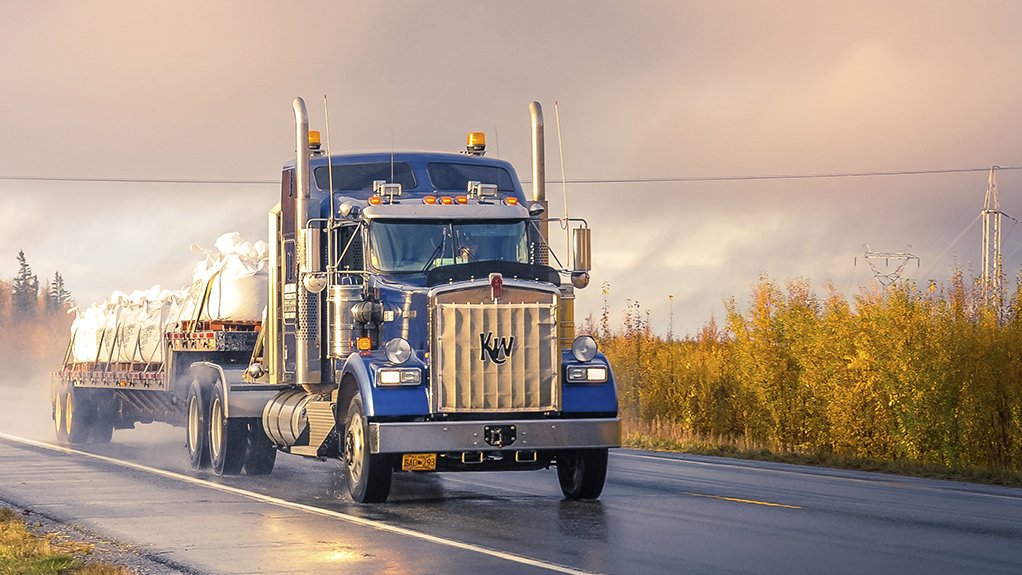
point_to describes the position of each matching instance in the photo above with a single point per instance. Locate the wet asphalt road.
(659, 514)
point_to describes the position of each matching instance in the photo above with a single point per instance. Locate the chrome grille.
(472, 369)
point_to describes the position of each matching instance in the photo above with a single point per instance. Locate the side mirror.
(582, 256)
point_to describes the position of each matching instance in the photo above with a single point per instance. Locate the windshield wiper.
(437, 252)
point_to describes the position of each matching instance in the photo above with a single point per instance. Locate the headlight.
(399, 377)
(398, 350)
(584, 348)
(587, 373)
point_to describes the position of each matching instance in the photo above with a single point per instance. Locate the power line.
(138, 180)
(659, 180)
(684, 179)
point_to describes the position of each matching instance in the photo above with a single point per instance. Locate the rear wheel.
(227, 437)
(78, 415)
(582, 473)
(197, 432)
(368, 475)
(59, 421)
(103, 418)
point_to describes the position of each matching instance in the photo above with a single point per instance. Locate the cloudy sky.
(664, 90)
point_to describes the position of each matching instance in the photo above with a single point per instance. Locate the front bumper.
(532, 434)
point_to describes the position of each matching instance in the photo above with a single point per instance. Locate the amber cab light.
(364, 343)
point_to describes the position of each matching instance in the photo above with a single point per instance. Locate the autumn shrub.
(898, 374)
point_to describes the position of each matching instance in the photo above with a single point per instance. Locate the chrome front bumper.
(531, 434)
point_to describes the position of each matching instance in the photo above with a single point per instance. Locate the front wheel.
(582, 473)
(368, 475)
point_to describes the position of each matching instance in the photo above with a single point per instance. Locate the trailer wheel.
(59, 400)
(260, 453)
(582, 473)
(78, 416)
(368, 475)
(227, 437)
(196, 430)
(103, 418)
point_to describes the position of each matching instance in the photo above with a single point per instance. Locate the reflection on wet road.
(659, 514)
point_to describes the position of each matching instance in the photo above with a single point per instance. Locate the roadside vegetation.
(34, 324)
(907, 381)
(22, 552)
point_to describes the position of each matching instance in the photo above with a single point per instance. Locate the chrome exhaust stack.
(539, 181)
(308, 365)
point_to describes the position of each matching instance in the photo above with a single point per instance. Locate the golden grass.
(22, 552)
(671, 437)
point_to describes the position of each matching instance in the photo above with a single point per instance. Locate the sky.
(678, 90)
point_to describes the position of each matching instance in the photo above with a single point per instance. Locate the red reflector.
(496, 285)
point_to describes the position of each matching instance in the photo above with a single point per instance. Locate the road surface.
(660, 513)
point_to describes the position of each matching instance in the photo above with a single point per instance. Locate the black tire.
(260, 454)
(368, 475)
(79, 413)
(59, 421)
(227, 437)
(582, 473)
(103, 418)
(196, 428)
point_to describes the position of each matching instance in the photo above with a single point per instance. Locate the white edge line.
(309, 509)
(884, 479)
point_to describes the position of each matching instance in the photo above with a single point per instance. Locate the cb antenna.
(330, 181)
(564, 182)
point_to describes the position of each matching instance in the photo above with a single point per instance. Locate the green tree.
(57, 295)
(24, 291)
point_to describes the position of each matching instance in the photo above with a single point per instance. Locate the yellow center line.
(737, 500)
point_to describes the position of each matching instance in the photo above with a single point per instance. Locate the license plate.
(418, 462)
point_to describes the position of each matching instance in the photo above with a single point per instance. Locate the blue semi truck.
(413, 324)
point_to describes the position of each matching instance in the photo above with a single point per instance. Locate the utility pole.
(992, 288)
(886, 275)
(670, 330)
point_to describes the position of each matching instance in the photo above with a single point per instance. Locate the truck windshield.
(418, 246)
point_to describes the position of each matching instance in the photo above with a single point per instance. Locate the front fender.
(588, 398)
(381, 401)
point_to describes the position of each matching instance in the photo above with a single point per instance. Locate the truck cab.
(414, 323)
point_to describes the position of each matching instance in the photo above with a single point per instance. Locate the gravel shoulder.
(103, 549)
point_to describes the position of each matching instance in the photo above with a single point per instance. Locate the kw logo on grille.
(497, 350)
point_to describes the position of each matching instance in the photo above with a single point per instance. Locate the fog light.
(398, 350)
(584, 348)
(596, 374)
(390, 377)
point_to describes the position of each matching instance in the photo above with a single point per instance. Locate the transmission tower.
(992, 241)
(887, 274)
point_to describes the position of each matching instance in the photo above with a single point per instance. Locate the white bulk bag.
(232, 280)
(86, 332)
